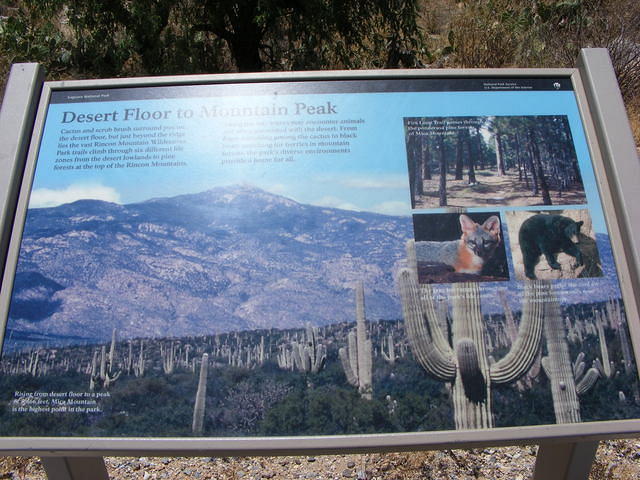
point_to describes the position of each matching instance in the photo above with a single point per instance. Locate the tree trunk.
(443, 172)
(544, 188)
(459, 156)
(243, 34)
(479, 143)
(246, 53)
(499, 157)
(471, 159)
(531, 167)
(411, 163)
(426, 159)
(419, 166)
(519, 159)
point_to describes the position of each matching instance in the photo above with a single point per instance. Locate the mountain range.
(229, 258)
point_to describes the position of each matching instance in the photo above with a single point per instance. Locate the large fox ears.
(491, 225)
(467, 224)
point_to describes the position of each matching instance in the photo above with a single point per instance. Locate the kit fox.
(467, 255)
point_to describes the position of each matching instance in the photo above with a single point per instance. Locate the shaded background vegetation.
(112, 38)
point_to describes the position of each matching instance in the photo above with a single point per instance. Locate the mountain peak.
(230, 193)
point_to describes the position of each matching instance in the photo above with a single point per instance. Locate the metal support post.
(565, 461)
(75, 468)
(17, 115)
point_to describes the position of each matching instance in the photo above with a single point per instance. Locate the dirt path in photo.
(492, 190)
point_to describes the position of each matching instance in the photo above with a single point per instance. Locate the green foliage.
(99, 38)
(29, 36)
(122, 37)
(545, 33)
(155, 406)
(326, 411)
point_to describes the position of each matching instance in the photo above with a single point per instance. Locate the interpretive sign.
(314, 256)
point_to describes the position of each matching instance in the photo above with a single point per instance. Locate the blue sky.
(372, 177)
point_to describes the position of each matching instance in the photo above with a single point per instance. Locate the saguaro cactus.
(201, 395)
(390, 355)
(106, 368)
(600, 320)
(168, 354)
(32, 369)
(585, 380)
(314, 354)
(112, 349)
(93, 374)
(357, 358)
(128, 361)
(464, 363)
(557, 364)
(616, 319)
(307, 356)
(138, 366)
(285, 358)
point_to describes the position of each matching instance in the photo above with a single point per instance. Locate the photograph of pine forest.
(492, 160)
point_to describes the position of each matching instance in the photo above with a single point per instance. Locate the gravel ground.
(615, 460)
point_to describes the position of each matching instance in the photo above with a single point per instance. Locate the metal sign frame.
(617, 170)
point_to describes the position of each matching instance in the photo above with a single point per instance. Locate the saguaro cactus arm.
(390, 355)
(346, 365)
(434, 314)
(587, 381)
(523, 351)
(421, 327)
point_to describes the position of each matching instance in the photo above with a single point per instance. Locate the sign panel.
(314, 258)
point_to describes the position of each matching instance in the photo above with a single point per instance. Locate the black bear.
(548, 235)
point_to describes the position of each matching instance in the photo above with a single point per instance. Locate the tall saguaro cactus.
(557, 364)
(464, 362)
(357, 357)
(201, 394)
(616, 318)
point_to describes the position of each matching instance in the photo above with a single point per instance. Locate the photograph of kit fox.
(452, 247)
(553, 244)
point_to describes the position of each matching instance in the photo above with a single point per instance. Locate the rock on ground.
(615, 460)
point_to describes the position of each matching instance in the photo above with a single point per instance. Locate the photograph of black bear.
(460, 247)
(553, 244)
